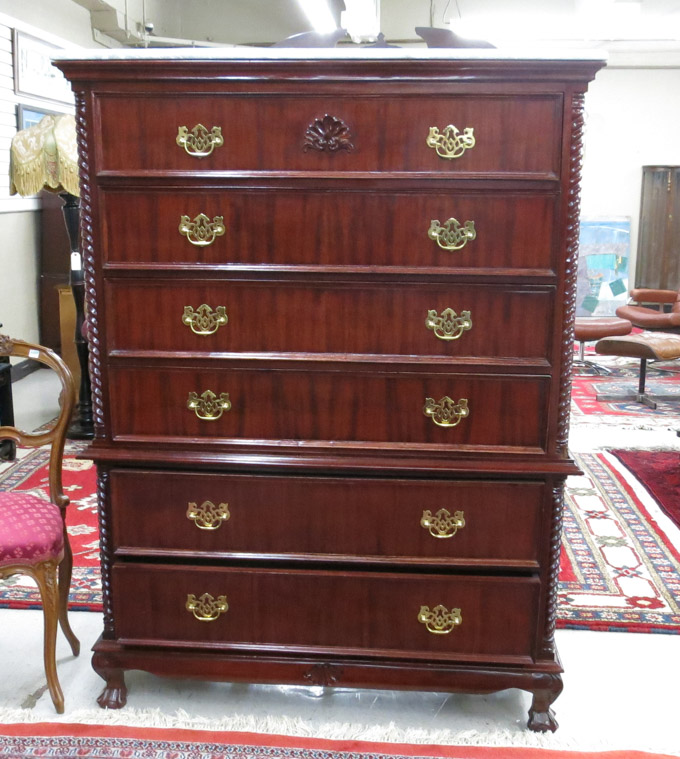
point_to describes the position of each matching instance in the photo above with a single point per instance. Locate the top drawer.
(517, 135)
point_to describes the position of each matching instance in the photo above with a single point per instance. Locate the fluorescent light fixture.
(319, 15)
(361, 19)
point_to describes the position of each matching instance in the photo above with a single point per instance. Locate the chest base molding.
(543, 680)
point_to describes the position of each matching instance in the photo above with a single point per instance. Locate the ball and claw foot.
(542, 722)
(541, 716)
(113, 697)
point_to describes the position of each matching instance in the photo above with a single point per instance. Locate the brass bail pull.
(452, 235)
(208, 516)
(443, 524)
(204, 321)
(208, 406)
(446, 412)
(439, 621)
(201, 231)
(206, 608)
(199, 142)
(450, 143)
(448, 325)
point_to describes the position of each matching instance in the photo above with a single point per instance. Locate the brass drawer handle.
(452, 235)
(199, 142)
(208, 516)
(443, 524)
(451, 143)
(201, 231)
(206, 608)
(448, 325)
(204, 321)
(439, 621)
(446, 412)
(208, 407)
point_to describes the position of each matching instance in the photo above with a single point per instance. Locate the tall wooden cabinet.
(330, 307)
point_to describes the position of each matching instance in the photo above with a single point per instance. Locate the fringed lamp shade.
(45, 157)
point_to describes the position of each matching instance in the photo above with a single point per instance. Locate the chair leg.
(46, 576)
(65, 570)
(583, 361)
(640, 396)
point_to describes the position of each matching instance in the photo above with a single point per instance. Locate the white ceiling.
(653, 26)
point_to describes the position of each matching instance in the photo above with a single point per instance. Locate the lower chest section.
(385, 567)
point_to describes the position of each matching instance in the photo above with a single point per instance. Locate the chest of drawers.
(331, 306)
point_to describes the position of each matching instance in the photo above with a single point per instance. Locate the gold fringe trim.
(29, 178)
(45, 157)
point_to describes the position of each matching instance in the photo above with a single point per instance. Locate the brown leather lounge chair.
(653, 318)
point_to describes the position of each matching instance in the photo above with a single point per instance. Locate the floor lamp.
(45, 157)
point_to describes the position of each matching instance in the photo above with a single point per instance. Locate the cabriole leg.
(114, 695)
(541, 716)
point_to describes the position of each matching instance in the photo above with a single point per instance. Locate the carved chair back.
(54, 435)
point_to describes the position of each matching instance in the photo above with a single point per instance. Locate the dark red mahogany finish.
(322, 512)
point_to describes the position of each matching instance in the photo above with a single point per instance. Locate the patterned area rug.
(662, 379)
(659, 472)
(618, 570)
(113, 742)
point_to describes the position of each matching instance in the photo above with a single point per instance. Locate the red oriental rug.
(659, 472)
(618, 572)
(33, 741)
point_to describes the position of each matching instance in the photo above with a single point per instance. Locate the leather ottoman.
(647, 346)
(587, 329)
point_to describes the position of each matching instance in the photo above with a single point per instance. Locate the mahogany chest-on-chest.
(330, 305)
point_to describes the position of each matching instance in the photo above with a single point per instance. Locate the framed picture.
(34, 74)
(28, 115)
(604, 251)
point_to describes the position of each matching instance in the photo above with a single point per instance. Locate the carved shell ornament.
(328, 134)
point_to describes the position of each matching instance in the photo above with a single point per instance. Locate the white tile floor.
(620, 690)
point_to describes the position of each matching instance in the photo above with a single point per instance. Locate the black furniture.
(7, 447)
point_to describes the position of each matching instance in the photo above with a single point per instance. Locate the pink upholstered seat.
(31, 529)
(33, 537)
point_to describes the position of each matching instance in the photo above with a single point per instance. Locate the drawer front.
(355, 519)
(279, 317)
(310, 227)
(512, 133)
(360, 612)
(284, 407)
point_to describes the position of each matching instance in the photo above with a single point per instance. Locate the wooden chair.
(33, 537)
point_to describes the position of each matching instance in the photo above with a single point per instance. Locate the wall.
(62, 18)
(19, 275)
(19, 233)
(238, 22)
(632, 118)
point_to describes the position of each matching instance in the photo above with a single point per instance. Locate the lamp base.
(82, 424)
(80, 430)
